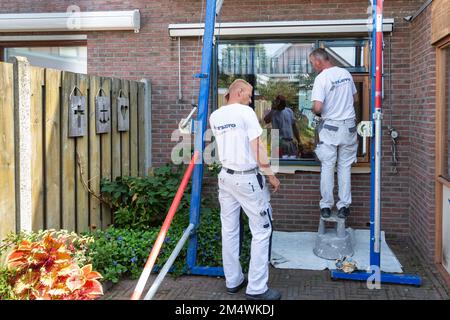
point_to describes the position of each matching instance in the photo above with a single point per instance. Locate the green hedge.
(140, 205)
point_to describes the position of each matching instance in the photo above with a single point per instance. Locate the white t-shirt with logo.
(234, 126)
(335, 88)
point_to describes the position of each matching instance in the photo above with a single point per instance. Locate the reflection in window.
(275, 69)
(72, 59)
(350, 54)
(283, 68)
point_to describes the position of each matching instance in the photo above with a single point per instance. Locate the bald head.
(240, 91)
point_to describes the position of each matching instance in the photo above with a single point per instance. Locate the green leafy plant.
(120, 252)
(143, 202)
(6, 287)
(140, 206)
(274, 88)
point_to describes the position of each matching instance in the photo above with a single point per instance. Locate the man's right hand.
(274, 182)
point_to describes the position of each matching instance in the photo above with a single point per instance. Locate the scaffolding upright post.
(374, 273)
(199, 132)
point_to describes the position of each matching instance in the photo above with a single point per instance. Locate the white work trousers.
(338, 141)
(243, 190)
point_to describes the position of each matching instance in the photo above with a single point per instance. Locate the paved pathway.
(301, 284)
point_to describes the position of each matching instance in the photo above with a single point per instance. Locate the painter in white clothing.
(333, 96)
(241, 184)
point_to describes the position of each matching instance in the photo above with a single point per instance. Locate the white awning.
(71, 21)
(280, 28)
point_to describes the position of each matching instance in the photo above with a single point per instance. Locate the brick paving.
(302, 284)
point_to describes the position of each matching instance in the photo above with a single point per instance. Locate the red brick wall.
(152, 54)
(422, 158)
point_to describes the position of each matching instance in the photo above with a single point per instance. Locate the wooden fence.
(58, 139)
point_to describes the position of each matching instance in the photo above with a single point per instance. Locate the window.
(283, 68)
(62, 52)
(63, 58)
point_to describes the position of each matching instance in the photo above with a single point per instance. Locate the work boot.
(270, 294)
(237, 288)
(325, 212)
(343, 212)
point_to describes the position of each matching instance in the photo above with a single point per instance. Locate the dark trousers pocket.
(331, 128)
(260, 180)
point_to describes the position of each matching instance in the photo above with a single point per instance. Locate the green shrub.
(6, 288)
(140, 205)
(143, 202)
(119, 252)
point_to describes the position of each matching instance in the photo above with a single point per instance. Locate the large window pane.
(274, 69)
(283, 68)
(353, 55)
(62, 58)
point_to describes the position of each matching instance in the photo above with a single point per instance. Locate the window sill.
(359, 168)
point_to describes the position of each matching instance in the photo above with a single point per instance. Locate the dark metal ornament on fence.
(123, 112)
(102, 113)
(77, 114)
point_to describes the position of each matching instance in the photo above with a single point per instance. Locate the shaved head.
(238, 84)
(240, 91)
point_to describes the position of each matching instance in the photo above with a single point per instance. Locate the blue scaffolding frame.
(375, 208)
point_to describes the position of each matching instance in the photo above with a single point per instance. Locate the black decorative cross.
(79, 112)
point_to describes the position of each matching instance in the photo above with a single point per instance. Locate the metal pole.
(374, 257)
(200, 126)
(159, 279)
(377, 61)
(163, 231)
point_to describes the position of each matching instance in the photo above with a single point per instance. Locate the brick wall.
(152, 54)
(422, 158)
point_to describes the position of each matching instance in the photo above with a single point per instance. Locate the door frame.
(440, 180)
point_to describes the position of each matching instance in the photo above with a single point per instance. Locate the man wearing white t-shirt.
(333, 95)
(236, 130)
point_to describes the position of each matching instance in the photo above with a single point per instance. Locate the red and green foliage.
(48, 269)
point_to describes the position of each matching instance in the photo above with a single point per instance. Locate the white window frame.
(280, 28)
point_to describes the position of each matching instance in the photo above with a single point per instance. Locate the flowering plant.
(50, 267)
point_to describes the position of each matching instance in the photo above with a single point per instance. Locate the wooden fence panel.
(53, 188)
(7, 162)
(81, 170)
(115, 146)
(125, 135)
(94, 156)
(68, 156)
(37, 152)
(134, 151)
(141, 127)
(106, 154)
(67, 171)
